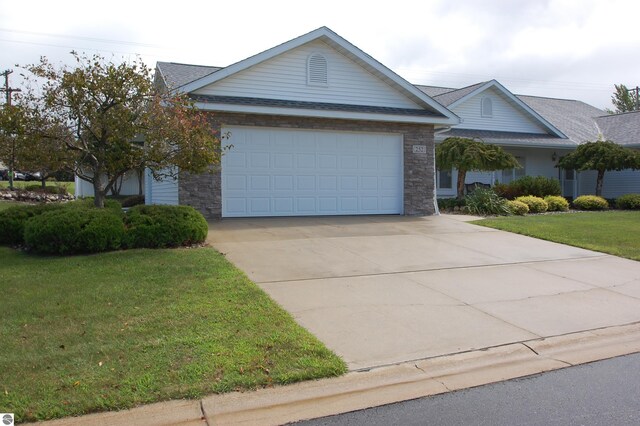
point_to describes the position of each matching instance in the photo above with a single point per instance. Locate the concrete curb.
(384, 385)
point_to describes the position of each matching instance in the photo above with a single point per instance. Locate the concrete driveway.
(380, 290)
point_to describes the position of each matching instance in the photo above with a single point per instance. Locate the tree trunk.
(99, 191)
(462, 176)
(599, 183)
(43, 182)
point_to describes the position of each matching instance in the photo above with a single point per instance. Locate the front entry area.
(287, 172)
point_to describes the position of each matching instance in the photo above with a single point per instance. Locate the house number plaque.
(419, 149)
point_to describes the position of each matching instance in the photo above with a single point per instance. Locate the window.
(486, 107)
(511, 174)
(317, 70)
(444, 179)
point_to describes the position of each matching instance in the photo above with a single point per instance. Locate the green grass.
(70, 186)
(6, 204)
(613, 232)
(111, 331)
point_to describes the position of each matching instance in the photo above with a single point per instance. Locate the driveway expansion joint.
(413, 271)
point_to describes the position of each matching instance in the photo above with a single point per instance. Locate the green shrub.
(557, 203)
(484, 202)
(517, 208)
(590, 202)
(449, 204)
(88, 203)
(535, 204)
(538, 186)
(13, 219)
(507, 191)
(164, 226)
(133, 200)
(74, 230)
(628, 202)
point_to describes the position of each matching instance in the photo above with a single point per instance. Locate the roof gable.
(285, 77)
(331, 41)
(517, 114)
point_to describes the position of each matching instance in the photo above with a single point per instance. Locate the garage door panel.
(277, 172)
(348, 162)
(259, 206)
(327, 183)
(326, 161)
(306, 205)
(328, 205)
(259, 182)
(282, 160)
(306, 161)
(349, 204)
(306, 183)
(259, 160)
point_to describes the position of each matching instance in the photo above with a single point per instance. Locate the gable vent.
(486, 107)
(317, 70)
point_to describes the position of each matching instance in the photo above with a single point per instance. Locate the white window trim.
(486, 100)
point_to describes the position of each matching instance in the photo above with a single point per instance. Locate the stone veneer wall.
(203, 192)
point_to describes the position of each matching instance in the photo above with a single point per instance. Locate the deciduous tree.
(107, 107)
(623, 99)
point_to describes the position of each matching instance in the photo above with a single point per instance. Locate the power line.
(85, 38)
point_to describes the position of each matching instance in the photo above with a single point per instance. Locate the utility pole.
(8, 93)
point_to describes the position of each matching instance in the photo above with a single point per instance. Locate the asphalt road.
(603, 393)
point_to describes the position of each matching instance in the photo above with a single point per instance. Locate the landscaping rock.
(33, 197)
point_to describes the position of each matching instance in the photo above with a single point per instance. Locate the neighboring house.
(537, 131)
(317, 127)
(129, 184)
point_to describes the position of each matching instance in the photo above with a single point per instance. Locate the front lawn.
(20, 184)
(613, 232)
(111, 331)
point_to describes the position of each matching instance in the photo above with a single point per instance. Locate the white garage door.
(275, 172)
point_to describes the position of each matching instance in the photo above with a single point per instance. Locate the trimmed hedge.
(628, 202)
(538, 186)
(517, 208)
(157, 226)
(557, 203)
(78, 227)
(74, 230)
(13, 219)
(535, 204)
(590, 202)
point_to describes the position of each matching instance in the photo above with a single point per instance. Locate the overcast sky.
(575, 49)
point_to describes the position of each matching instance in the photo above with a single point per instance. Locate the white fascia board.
(512, 97)
(345, 115)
